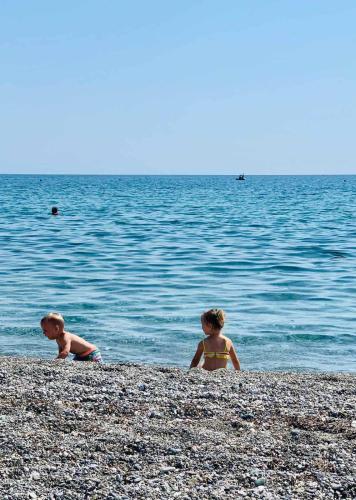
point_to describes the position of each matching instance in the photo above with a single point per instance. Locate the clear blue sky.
(188, 86)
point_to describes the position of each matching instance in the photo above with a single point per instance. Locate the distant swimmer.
(55, 211)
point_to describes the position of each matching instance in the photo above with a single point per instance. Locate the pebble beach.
(86, 431)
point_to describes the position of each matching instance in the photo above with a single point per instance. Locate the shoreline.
(184, 367)
(123, 431)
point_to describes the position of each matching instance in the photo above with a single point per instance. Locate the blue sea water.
(132, 261)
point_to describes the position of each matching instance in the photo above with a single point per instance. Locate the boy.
(53, 328)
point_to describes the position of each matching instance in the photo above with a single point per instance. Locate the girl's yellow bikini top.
(219, 355)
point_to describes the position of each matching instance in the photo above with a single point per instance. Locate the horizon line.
(175, 175)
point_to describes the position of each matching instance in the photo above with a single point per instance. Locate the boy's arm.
(234, 359)
(63, 347)
(197, 356)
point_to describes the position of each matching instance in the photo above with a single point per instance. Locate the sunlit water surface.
(132, 261)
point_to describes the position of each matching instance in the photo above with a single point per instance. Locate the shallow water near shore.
(132, 261)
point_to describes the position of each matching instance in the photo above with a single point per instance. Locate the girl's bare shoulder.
(227, 340)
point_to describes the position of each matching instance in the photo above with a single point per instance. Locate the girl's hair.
(54, 318)
(215, 318)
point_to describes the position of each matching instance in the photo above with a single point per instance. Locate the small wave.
(14, 331)
(278, 296)
(314, 252)
(289, 268)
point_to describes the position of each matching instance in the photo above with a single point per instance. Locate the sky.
(181, 87)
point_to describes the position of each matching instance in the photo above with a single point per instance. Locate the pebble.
(247, 416)
(336, 486)
(175, 451)
(155, 414)
(166, 470)
(295, 434)
(260, 481)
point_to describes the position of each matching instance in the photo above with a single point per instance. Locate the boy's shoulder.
(64, 338)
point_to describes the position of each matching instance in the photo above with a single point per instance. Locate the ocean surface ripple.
(132, 261)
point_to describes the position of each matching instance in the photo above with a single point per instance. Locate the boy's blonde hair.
(215, 317)
(54, 318)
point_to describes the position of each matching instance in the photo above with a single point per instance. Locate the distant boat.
(241, 177)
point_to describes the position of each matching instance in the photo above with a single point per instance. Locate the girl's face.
(206, 327)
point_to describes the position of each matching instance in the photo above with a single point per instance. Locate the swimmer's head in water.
(54, 211)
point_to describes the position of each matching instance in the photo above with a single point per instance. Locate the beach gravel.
(84, 431)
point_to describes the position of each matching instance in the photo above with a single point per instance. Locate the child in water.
(217, 349)
(53, 328)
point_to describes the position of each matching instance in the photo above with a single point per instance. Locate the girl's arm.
(197, 355)
(234, 359)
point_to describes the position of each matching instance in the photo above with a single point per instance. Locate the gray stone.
(260, 481)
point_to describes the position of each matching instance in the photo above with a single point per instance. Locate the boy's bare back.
(71, 343)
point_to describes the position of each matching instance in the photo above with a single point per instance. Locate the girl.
(217, 348)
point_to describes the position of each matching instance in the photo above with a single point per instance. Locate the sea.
(132, 262)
